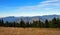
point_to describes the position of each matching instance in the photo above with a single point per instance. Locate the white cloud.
(47, 6)
(44, 4)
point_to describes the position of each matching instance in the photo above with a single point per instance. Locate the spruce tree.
(22, 23)
(46, 23)
(27, 24)
(54, 22)
(1, 22)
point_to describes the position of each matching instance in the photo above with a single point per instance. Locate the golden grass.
(28, 31)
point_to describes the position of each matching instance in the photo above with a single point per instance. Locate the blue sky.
(29, 7)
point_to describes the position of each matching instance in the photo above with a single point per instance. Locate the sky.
(29, 7)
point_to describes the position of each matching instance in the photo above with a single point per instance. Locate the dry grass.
(28, 31)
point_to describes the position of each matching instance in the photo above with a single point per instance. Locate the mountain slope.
(30, 19)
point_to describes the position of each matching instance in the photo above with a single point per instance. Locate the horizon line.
(28, 16)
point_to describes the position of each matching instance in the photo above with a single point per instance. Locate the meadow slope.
(28, 31)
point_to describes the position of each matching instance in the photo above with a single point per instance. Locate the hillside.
(30, 19)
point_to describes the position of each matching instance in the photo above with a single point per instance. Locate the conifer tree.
(54, 22)
(22, 23)
(1, 22)
(46, 23)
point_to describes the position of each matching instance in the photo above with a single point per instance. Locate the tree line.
(54, 23)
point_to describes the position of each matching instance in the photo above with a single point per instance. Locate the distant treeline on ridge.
(54, 23)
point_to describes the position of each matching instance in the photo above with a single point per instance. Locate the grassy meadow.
(29, 31)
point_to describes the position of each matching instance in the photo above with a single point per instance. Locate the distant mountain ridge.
(30, 19)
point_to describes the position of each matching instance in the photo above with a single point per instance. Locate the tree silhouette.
(27, 24)
(22, 23)
(46, 23)
(54, 22)
(1, 22)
